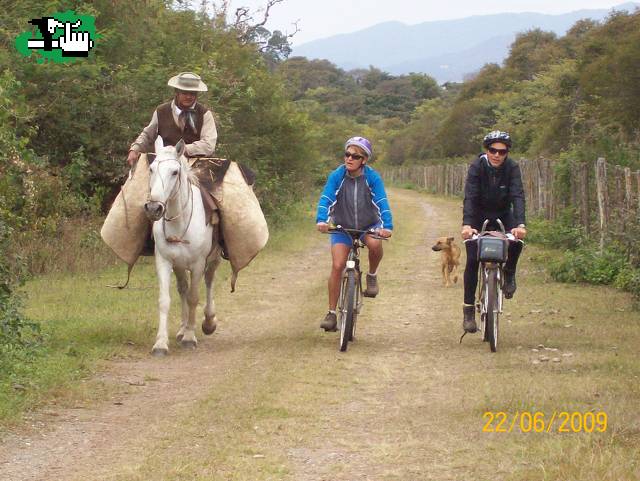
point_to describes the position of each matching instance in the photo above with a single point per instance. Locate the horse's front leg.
(209, 323)
(189, 335)
(163, 268)
(183, 290)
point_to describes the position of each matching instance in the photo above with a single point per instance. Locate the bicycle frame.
(351, 296)
(483, 292)
(487, 294)
(353, 264)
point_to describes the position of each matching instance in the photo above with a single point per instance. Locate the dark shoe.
(149, 248)
(509, 287)
(372, 286)
(330, 322)
(469, 319)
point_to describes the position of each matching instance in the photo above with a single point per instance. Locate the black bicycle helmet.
(497, 136)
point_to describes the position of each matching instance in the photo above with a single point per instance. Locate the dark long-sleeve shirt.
(491, 193)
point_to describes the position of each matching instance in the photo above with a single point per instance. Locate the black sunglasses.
(353, 156)
(498, 151)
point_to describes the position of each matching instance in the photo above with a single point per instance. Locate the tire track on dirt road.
(269, 397)
(260, 322)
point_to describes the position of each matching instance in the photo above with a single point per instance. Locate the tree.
(531, 52)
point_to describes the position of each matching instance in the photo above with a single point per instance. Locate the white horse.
(184, 242)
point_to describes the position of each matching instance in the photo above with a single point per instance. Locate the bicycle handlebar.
(510, 237)
(372, 232)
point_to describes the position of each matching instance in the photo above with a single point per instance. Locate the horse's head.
(167, 175)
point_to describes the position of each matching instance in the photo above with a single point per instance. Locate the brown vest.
(171, 133)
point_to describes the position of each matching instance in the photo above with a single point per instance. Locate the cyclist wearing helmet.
(354, 198)
(493, 190)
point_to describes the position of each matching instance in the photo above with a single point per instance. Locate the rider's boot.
(149, 247)
(469, 318)
(372, 286)
(509, 286)
(330, 322)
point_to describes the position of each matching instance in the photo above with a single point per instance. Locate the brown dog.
(450, 258)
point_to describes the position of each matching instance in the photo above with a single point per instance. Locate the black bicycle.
(351, 294)
(493, 248)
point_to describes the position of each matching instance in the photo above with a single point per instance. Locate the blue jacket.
(354, 202)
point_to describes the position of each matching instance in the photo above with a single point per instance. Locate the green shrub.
(588, 264)
(561, 234)
(17, 334)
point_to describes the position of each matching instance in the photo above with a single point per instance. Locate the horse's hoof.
(209, 327)
(189, 344)
(179, 336)
(159, 352)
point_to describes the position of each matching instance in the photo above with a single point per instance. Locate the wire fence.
(602, 198)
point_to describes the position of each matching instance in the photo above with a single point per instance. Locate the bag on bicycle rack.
(492, 249)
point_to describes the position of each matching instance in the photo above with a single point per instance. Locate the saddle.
(210, 172)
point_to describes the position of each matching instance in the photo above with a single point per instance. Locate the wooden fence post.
(603, 198)
(585, 218)
(638, 187)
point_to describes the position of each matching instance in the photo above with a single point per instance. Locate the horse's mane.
(191, 175)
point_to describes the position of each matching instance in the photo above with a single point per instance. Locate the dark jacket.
(491, 193)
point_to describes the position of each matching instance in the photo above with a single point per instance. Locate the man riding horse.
(182, 118)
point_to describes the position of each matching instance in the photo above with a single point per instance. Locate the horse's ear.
(180, 148)
(158, 144)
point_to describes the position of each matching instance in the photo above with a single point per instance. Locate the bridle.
(172, 195)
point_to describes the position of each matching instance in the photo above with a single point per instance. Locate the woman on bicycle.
(493, 190)
(354, 198)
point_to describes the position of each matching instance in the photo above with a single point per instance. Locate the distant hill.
(446, 50)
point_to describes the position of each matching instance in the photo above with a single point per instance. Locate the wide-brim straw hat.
(187, 81)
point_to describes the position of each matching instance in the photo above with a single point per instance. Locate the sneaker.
(509, 286)
(469, 320)
(330, 322)
(372, 286)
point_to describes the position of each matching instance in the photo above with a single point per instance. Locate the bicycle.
(351, 294)
(493, 248)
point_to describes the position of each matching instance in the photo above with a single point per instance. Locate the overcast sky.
(324, 18)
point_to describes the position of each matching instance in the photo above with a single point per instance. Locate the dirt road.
(269, 397)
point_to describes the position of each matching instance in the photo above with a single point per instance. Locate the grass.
(83, 322)
(597, 328)
(405, 402)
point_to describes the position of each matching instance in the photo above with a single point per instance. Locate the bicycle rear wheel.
(346, 328)
(492, 309)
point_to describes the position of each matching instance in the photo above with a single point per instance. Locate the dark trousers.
(471, 269)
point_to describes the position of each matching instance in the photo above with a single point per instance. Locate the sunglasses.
(497, 151)
(353, 156)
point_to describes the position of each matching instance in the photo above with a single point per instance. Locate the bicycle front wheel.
(493, 309)
(346, 328)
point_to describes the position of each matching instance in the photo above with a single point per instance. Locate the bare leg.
(339, 254)
(375, 252)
